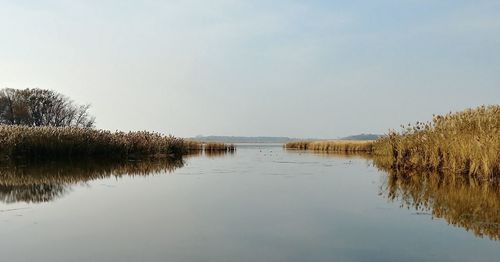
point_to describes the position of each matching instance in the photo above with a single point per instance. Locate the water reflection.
(466, 203)
(343, 155)
(216, 154)
(47, 181)
(462, 202)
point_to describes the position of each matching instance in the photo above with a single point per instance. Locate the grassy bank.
(23, 142)
(333, 146)
(462, 143)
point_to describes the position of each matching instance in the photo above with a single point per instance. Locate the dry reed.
(463, 143)
(53, 142)
(332, 146)
(218, 147)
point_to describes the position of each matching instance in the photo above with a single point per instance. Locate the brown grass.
(24, 142)
(332, 146)
(218, 147)
(54, 142)
(463, 143)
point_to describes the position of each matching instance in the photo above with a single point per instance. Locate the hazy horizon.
(304, 69)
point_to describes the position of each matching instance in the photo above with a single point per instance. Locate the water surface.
(260, 204)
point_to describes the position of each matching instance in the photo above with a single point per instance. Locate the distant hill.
(274, 139)
(362, 137)
(245, 139)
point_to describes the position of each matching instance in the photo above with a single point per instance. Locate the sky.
(322, 69)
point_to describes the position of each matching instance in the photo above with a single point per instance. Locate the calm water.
(260, 204)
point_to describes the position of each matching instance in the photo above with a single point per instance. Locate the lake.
(262, 203)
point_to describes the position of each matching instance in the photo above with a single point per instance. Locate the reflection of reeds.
(37, 193)
(216, 154)
(465, 203)
(341, 154)
(40, 182)
(332, 146)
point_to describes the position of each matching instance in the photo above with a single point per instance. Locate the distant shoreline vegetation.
(462, 143)
(348, 146)
(40, 143)
(38, 124)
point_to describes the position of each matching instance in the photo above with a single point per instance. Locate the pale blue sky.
(279, 68)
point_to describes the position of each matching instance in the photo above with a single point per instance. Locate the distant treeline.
(363, 137)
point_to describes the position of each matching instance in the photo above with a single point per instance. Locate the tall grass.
(218, 147)
(462, 143)
(54, 142)
(26, 143)
(332, 146)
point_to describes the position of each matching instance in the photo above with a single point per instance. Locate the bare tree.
(39, 107)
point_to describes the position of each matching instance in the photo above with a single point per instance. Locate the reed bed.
(54, 142)
(193, 147)
(462, 143)
(333, 146)
(218, 147)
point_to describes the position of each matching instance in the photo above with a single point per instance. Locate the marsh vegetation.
(65, 142)
(463, 143)
(46, 142)
(218, 147)
(333, 146)
(43, 124)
